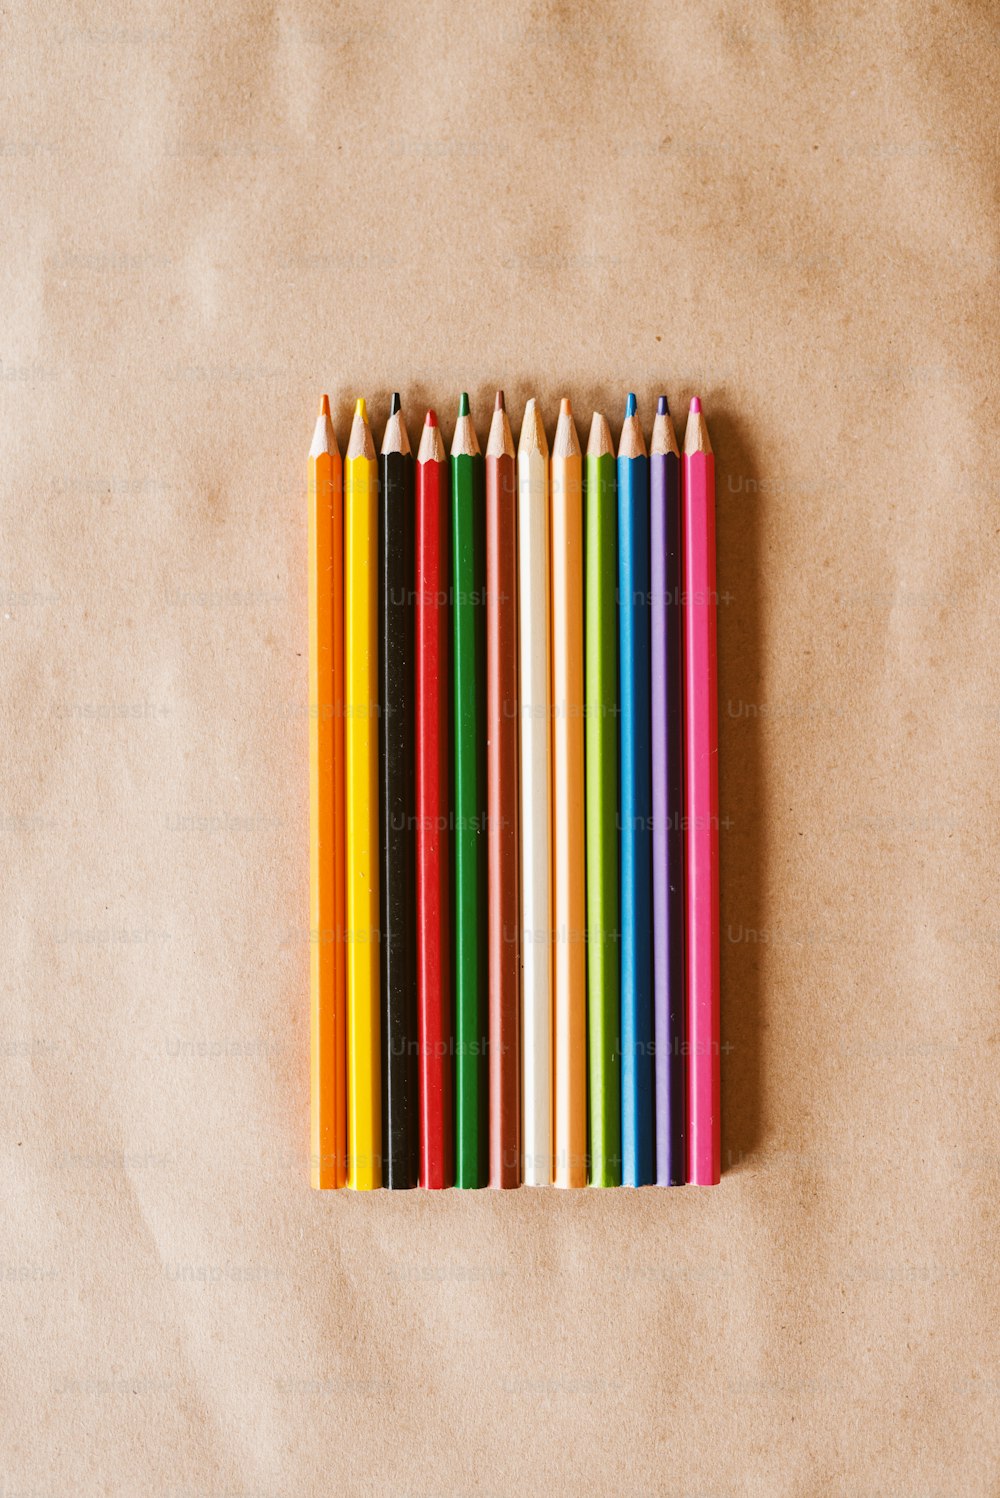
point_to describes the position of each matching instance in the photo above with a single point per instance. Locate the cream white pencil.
(536, 877)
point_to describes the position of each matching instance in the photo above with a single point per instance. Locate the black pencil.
(400, 1119)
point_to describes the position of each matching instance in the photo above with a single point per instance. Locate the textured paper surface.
(211, 213)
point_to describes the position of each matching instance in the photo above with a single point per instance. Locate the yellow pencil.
(568, 797)
(364, 1121)
(328, 1156)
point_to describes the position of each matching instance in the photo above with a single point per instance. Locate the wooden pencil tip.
(662, 409)
(599, 441)
(463, 404)
(695, 405)
(360, 409)
(324, 405)
(396, 404)
(501, 404)
(567, 442)
(532, 437)
(432, 420)
(630, 405)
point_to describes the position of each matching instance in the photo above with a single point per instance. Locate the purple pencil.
(668, 800)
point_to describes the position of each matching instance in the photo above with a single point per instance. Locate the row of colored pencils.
(513, 805)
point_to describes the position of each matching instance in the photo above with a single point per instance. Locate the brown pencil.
(502, 804)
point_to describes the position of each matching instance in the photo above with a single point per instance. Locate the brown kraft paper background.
(211, 212)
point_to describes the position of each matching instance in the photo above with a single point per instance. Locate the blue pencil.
(636, 805)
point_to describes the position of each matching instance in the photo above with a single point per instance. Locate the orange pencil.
(568, 800)
(328, 1152)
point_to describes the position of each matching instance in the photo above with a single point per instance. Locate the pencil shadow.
(742, 788)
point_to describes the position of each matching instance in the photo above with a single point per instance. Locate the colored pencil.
(469, 658)
(431, 699)
(601, 686)
(398, 947)
(701, 800)
(569, 888)
(502, 790)
(536, 903)
(636, 804)
(328, 997)
(668, 800)
(364, 1117)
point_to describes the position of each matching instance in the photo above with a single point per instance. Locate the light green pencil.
(601, 691)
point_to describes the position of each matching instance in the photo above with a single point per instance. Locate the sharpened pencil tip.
(630, 405)
(501, 404)
(360, 409)
(565, 409)
(662, 409)
(463, 404)
(695, 405)
(396, 403)
(324, 405)
(432, 420)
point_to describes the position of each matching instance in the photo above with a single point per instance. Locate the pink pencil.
(701, 798)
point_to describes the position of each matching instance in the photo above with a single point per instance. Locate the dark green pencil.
(469, 637)
(601, 736)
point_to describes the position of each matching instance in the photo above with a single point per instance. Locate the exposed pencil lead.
(360, 409)
(632, 444)
(396, 404)
(324, 437)
(432, 420)
(567, 443)
(463, 404)
(501, 442)
(664, 439)
(696, 438)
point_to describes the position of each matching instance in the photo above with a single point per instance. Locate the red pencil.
(502, 804)
(432, 624)
(701, 767)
